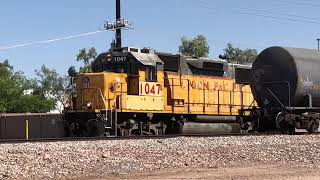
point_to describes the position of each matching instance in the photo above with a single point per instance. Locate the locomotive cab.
(139, 65)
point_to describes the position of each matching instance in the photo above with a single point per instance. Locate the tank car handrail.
(276, 97)
(289, 91)
(251, 105)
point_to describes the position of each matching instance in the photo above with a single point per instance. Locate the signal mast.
(118, 25)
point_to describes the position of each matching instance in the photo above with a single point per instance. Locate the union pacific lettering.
(215, 85)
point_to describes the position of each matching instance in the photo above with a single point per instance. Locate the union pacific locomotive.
(141, 92)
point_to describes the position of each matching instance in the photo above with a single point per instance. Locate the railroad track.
(36, 140)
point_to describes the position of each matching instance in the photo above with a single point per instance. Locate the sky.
(157, 24)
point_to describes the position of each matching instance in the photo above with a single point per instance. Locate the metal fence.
(31, 126)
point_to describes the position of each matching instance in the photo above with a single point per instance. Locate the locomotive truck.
(134, 91)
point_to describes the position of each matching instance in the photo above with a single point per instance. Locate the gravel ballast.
(111, 157)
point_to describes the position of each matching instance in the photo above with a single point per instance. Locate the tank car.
(286, 85)
(139, 92)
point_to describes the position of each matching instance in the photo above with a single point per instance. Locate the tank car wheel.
(281, 123)
(314, 125)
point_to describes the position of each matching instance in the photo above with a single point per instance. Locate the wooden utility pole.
(118, 19)
(118, 25)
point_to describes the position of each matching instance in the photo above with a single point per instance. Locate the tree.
(196, 47)
(51, 85)
(87, 58)
(236, 55)
(17, 94)
(72, 72)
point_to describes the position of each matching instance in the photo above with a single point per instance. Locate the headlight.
(67, 106)
(89, 105)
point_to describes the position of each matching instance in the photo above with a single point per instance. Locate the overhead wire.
(49, 40)
(312, 1)
(303, 19)
(282, 14)
(263, 13)
(300, 3)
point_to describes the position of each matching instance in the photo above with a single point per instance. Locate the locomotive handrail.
(105, 104)
(82, 95)
(101, 95)
(204, 103)
(99, 92)
(209, 89)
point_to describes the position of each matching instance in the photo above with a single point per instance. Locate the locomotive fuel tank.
(285, 77)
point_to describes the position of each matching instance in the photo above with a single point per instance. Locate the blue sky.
(158, 24)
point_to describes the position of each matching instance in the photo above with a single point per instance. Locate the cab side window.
(151, 73)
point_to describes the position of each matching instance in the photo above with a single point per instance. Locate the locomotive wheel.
(68, 130)
(95, 128)
(314, 125)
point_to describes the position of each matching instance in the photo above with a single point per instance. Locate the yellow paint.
(206, 95)
(143, 103)
(187, 94)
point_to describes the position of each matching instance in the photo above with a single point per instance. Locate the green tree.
(17, 94)
(237, 55)
(196, 47)
(86, 57)
(51, 85)
(72, 72)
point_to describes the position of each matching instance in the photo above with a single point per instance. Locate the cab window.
(151, 73)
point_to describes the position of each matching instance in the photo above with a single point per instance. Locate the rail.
(138, 137)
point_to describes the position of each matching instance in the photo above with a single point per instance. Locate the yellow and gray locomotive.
(140, 92)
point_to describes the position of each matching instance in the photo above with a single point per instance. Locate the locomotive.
(134, 91)
(286, 85)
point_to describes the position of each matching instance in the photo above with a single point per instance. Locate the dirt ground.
(244, 173)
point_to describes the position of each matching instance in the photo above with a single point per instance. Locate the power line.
(282, 14)
(310, 3)
(300, 3)
(265, 15)
(313, 1)
(48, 41)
